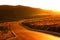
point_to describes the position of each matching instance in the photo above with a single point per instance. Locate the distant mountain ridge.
(12, 13)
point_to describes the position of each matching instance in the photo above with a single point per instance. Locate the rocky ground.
(18, 32)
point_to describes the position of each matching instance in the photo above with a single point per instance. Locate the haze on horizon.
(44, 4)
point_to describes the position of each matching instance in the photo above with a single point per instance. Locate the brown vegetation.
(11, 28)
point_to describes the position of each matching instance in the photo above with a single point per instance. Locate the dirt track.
(23, 34)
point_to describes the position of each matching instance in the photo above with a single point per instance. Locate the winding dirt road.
(22, 33)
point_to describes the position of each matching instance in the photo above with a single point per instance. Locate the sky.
(44, 4)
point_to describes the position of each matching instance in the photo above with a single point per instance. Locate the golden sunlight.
(45, 4)
(44, 16)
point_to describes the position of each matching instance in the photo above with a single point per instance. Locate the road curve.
(22, 33)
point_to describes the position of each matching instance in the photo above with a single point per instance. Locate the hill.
(13, 13)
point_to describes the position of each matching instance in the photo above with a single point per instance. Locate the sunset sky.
(45, 4)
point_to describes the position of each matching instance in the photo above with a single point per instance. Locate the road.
(22, 33)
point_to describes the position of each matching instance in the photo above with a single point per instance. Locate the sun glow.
(45, 4)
